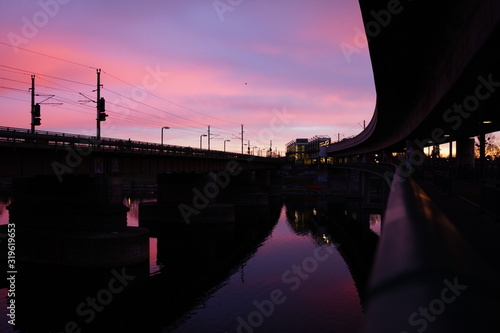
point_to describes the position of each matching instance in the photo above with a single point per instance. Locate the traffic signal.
(35, 115)
(101, 107)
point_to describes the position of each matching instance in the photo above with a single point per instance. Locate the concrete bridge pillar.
(268, 181)
(187, 201)
(414, 158)
(72, 239)
(80, 221)
(465, 157)
(77, 203)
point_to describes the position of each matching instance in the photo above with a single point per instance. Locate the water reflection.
(214, 280)
(297, 280)
(77, 267)
(195, 258)
(376, 223)
(4, 213)
(338, 221)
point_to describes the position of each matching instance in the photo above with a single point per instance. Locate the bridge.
(54, 153)
(436, 74)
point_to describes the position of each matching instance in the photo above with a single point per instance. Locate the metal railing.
(421, 256)
(490, 198)
(47, 140)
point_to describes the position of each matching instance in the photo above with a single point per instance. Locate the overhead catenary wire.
(168, 101)
(49, 56)
(26, 72)
(153, 107)
(16, 99)
(11, 88)
(119, 115)
(68, 89)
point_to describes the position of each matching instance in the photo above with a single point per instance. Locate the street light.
(225, 144)
(164, 127)
(201, 137)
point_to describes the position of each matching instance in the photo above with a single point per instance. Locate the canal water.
(289, 276)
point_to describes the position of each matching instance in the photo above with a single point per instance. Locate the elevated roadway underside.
(436, 66)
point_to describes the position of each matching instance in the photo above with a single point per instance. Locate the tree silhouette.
(492, 146)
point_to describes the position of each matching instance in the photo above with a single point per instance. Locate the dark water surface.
(290, 276)
(293, 283)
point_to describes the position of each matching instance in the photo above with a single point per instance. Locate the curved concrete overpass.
(435, 66)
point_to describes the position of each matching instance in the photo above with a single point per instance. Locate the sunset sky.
(277, 67)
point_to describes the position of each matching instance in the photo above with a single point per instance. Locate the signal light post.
(101, 107)
(35, 108)
(35, 117)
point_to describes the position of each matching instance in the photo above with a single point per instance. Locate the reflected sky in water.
(316, 296)
(296, 280)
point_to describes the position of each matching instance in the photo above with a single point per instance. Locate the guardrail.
(46, 139)
(426, 276)
(490, 197)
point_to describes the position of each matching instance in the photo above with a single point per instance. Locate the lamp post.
(201, 136)
(164, 127)
(225, 144)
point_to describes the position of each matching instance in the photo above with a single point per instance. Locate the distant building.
(296, 150)
(307, 151)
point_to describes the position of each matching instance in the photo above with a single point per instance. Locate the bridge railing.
(48, 139)
(423, 264)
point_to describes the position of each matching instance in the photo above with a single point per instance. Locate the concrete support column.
(414, 158)
(465, 157)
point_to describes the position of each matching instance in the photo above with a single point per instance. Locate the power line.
(49, 56)
(43, 77)
(57, 84)
(53, 77)
(18, 81)
(70, 90)
(16, 99)
(155, 108)
(168, 101)
(17, 89)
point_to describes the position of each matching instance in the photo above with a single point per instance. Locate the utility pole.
(208, 137)
(32, 103)
(242, 138)
(98, 118)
